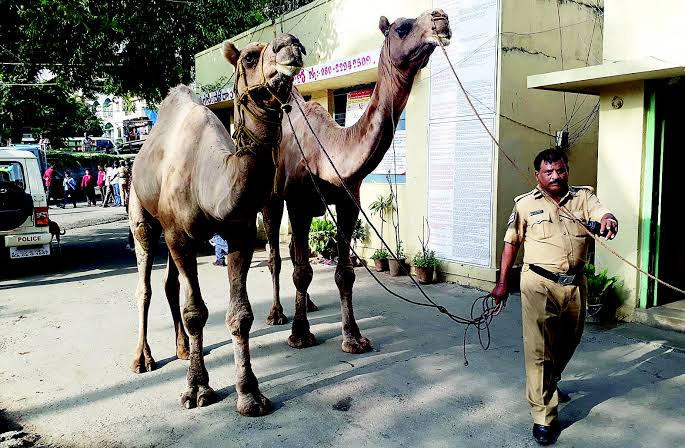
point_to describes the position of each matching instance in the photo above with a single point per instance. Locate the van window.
(12, 173)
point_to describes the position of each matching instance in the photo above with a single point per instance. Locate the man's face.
(553, 177)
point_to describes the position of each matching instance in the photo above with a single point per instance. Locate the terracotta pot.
(396, 267)
(381, 265)
(425, 275)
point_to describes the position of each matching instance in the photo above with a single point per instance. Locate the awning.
(590, 80)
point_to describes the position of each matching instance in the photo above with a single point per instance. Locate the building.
(638, 87)
(120, 116)
(447, 167)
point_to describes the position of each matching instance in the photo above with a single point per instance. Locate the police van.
(24, 224)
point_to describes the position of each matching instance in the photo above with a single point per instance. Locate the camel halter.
(246, 140)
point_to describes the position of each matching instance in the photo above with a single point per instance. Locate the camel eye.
(403, 29)
(250, 58)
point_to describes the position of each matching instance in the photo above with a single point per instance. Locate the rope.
(563, 208)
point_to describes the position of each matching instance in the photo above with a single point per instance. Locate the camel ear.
(384, 25)
(231, 53)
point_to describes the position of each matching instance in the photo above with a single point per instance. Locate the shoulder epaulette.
(518, 198)
(583, 187)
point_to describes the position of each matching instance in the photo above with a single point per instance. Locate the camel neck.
(376, 127)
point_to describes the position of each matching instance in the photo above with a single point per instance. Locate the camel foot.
(311, 307)
(276, 317)
(253, 404)
(182, 351)
(305, 341)
(357, 346)
(143, 363)
(197, 396)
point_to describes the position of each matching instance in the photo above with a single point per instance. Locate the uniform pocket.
(540, 226)
(576, 226)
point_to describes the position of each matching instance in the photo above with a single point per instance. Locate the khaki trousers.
(553, 320)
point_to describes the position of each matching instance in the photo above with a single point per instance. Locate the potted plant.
(380, 259)
(382, 206)
(425, 261)
(358, 234)
(396, 264)
(323, 238)
(599, 292)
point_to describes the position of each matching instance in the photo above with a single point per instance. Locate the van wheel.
(15, 206)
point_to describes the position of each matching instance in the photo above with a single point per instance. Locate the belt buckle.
(565, 279)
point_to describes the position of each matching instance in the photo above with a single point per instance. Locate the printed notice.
(460, 151)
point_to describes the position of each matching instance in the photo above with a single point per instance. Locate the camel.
(356, 151)
(190, 181)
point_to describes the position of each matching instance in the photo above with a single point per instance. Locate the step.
(661, 317)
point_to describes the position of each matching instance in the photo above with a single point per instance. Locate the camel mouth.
(439, 39)
(288, 70)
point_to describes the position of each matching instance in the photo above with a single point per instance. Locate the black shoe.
(545, 435)
(219, 263)
(563, 396)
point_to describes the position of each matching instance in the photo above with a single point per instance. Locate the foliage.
(127, 48)
(380, 254)
(359, 233)
(76, 161)
(323, 237)
(395, 215)
(426, 259)
(382, 206)
(599, 285)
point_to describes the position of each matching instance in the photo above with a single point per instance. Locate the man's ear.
(231, 53)
(384, 25)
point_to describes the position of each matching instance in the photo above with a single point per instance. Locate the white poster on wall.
(460, 151)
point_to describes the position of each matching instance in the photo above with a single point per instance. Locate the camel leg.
(146, 231)
(239, 319)
(301, 337)
(183, 251)
(273, 213)
(353, 341)
(171, 288)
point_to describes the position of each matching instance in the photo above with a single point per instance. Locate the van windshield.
(12, 174)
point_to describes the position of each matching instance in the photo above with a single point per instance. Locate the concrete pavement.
(69, 336)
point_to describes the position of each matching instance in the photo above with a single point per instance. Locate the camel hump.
(179, 96)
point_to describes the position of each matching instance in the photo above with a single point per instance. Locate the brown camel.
(190, 181)
(356, 151)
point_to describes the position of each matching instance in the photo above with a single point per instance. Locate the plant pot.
(395, 267)
(425, 275)
(381, 265)
(594, 313)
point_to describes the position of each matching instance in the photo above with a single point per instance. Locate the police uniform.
(553, 288)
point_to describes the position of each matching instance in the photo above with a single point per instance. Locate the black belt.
(562, 279)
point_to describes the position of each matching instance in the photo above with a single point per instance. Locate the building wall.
(341, 28)
(636, 29)
(531, 44)
(619, 185)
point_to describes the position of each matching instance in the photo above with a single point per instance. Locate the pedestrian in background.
(69, 184)
(220, 249)
(101, 183)
(114, 183)
(88, 188)
(49, 178)
(124, 174)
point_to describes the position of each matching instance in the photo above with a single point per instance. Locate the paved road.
(68, 336)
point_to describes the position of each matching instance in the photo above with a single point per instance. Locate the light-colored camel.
(356, 151)
(189, 182)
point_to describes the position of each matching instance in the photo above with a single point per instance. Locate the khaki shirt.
(551, 239)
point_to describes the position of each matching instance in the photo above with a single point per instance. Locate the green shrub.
(323, 238)
(426, 259)
(77, 161)
(380, 254)
(599, 286)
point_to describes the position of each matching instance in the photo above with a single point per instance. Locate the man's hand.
(609, 226)
(499, 293)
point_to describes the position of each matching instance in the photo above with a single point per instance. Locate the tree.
(128, 48)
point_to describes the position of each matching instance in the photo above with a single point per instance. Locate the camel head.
(410, 42)
(265, 71)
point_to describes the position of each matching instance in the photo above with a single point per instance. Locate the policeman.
(550, 223)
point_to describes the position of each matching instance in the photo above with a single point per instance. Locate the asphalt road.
(68, 335)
